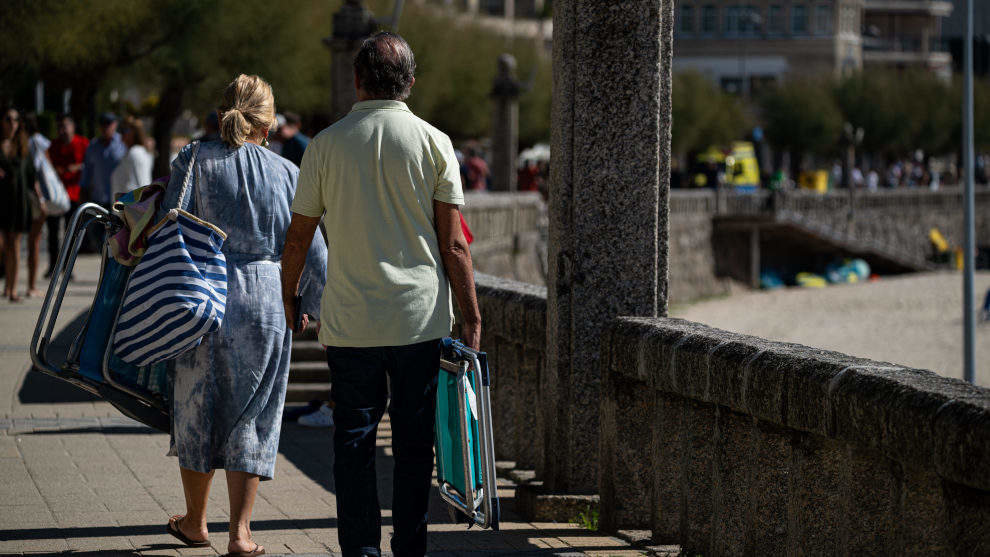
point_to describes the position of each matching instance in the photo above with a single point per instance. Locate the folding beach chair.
(465, 449)
(141, 393)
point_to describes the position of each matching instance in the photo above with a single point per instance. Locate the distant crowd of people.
(89, 170)
(902, 173)
(531, 175)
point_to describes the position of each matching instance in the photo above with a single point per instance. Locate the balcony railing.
(902, 44)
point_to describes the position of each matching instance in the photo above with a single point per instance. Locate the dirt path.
(913, 320)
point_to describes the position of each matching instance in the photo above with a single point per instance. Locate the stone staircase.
(309, 378)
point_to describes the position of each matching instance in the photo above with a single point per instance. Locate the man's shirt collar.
(380, 104)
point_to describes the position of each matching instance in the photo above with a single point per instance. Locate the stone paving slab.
(77, 477)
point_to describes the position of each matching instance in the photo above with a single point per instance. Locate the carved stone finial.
(353, 21)
(505, 83)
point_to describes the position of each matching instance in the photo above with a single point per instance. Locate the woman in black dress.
(17, 184)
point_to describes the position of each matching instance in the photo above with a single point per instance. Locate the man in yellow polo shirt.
(387, 185)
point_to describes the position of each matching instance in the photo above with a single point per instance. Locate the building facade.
(744, 46)
(906, 34)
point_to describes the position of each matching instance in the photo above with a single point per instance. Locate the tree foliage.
(801, 116)
(703, 115)
(180, 53)
(456, 63)
(901, 111)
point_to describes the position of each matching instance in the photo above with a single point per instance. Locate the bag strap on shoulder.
(185, 182)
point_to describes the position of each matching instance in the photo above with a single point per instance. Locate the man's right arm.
(460, 272)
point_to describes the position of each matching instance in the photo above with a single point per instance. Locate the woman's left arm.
(314, 276)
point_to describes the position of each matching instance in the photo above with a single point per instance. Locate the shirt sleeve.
(308, 200)
(449, 189)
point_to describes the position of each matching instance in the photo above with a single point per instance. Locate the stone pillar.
(505, 125)
(351, 25)
(610, 148)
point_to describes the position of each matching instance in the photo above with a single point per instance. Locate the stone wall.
(692, 268)
(509, 234)
(510, 229)
(730, 444)
(513, 333)
(897, 219)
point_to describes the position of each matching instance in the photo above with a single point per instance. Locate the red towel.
(467, 231)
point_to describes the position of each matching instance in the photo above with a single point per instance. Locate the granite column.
(610, 145)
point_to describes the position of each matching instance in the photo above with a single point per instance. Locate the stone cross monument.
(505, 124)
(351, 25)
(609, 182)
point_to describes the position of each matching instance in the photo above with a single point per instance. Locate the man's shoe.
(321, 418)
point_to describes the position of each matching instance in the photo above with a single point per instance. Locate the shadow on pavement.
(311, 451)
(153, 529)
(97, 429)
(39, 387)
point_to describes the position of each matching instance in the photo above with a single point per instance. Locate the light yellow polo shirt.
(374, 175)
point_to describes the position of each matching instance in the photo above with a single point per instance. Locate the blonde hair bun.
(247, 109)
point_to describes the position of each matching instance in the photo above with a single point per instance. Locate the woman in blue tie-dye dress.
(230, 391)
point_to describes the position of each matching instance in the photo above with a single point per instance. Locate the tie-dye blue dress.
(230, 391)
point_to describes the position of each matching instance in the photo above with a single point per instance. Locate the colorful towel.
(137, 209)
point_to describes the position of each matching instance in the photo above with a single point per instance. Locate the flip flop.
(258, 550)
(172, 528)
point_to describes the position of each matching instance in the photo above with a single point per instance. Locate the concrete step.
(308, 351)
(308, 372)
(305, 392)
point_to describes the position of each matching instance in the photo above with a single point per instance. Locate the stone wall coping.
(912, 416)
(482, 200)
(524, 293)
(513, 310)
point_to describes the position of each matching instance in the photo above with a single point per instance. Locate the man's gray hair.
(385, 66)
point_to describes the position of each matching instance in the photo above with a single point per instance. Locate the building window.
(493, 7)
(686, 24)
(775, 20)
(823, 20)
(751, 21)
(799, 20)
(733, 20)
(709, 19)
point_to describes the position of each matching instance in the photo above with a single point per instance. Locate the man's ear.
(357, 81)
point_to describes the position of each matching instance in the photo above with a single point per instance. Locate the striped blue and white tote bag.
(177, 293)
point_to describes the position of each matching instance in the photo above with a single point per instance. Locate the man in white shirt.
(388, 187)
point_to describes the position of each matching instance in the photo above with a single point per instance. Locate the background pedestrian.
(18, 182)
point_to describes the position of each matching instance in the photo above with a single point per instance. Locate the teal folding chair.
(465, 449)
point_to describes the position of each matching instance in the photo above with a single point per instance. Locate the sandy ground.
(913, 320)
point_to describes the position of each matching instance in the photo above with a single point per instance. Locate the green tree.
(180, 54)
(75, 44)
(456, 63)
(703, 115)
(801, 117)
(901, 111)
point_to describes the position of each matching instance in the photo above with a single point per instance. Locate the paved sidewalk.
(76, 476)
